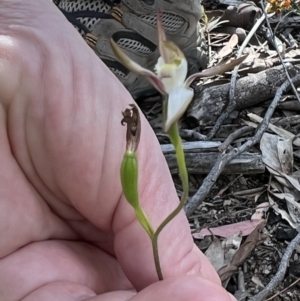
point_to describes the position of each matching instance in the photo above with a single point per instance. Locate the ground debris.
(265, 180)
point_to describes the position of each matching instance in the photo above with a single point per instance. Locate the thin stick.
(232, 103)
(276, 280)
(278, 52)
(238, 133)
(287, 288)
(225, 158)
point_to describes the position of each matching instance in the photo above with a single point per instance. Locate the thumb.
(177, 252)
(182, 289)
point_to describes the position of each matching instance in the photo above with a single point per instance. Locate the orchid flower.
(169, 79)
(170, 75)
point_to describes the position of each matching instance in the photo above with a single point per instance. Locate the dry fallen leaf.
(293, 206)
(246, 248)
(231, 246)
(249, 193)
(283, 213)
(228, 48)
(257, 281)
(245, 227)
(279, 131)
(285, 155)
(260, 211)
(277, 154)
(215, 253)
(291, 181)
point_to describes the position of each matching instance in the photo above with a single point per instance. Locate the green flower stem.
(154, 241)
(176, 141)
(144, 221)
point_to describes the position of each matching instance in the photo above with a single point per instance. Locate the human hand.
(66, 231)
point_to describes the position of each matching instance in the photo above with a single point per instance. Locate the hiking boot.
(132, 25)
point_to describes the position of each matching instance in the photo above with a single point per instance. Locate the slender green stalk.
(144, 221)
(156, 257)
(176, 141)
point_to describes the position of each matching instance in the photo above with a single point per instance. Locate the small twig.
(232, 103)
(278, 52)
(209, 46)
(238, 133)
(188, 134)
(227, 186)
(241, 293)
(276, 280)
(281, 292)
(281, 20)
(224, 158)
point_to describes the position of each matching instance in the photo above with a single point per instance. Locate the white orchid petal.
(178, 101)
(160, 63)
(172, 75)
(136, 68)
(167, 76)
(181, 73)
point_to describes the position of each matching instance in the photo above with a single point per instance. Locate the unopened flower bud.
(129, 178)
(129, 167)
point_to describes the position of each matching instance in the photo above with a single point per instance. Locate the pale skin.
(66, 231)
